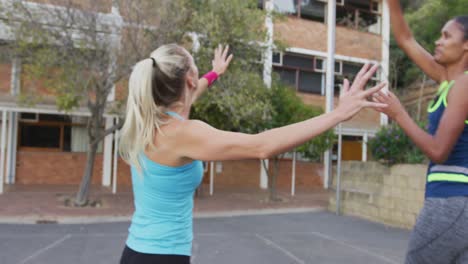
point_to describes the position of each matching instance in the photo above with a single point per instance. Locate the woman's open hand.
(221, 60)
(353, 98)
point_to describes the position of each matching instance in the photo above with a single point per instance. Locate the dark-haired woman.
(441, 232)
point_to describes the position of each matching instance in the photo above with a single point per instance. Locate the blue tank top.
(450, 178)
(163, 198)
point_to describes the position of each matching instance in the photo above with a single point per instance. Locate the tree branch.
(107, 132)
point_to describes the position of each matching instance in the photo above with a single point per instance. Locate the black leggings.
(130, 256)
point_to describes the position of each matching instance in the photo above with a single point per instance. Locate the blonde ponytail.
(153, 86)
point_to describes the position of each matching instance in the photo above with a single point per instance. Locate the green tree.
(288, 108)
(391, 145)
(239, 99)
(85, 53)
(81, 53)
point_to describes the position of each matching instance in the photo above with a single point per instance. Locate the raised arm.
(201, 141)
(220, 64)
(411, 47)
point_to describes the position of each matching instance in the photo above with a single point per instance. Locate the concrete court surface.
(293, 238)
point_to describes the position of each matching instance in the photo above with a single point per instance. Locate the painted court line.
(75, 235)
(321, 235)
(276, 246)
(42, 250)
(370, 253)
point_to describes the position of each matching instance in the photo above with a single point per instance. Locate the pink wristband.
(211, 77)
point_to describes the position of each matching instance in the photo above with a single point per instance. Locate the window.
(51, 132)
(297, 61)
(350, 70)
(307, 74)
(43, 132)
(310, 82)
(363, 15)
(338, 84)
(375, 7)
(303, 73)
(29, 117)
(41, 136)
(277, 58)
(338, 67)
(287, 76)
(312, 10)
(319, 65)
(308, 9)
(282, 6)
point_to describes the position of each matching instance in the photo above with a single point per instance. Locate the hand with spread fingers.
(221, 59)
(394, 107)
(353, 98)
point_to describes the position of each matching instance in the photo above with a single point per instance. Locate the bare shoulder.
(461, 85)
(462, 78)
(193, 128)
(459, 91)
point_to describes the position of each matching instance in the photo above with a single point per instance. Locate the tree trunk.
(94, 133)
(273, 176)
(82, 195)
(421, 95)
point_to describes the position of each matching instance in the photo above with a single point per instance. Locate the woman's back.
(163, 195)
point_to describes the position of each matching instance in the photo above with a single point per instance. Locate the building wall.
(245, 174)
(312, 35)
(41, 167)
(365, 119)
(67, 168)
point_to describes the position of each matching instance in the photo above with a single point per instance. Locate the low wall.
(389, 195)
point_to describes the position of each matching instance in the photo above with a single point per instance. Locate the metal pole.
(330, 81)
(385, 52)
(9, 146)
(116, 157)
(2, 150)
(267, 67)
(107, 154)
(211, 177)
(293, 180)
(11, 177)
(364, 147)
(338, 173)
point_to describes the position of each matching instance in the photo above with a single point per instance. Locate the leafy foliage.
(392, 146)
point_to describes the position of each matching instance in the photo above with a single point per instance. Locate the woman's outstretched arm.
(198, 140)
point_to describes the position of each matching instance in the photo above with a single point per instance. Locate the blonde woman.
(165, 148)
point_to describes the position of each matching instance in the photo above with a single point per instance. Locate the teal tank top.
(163, 198)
